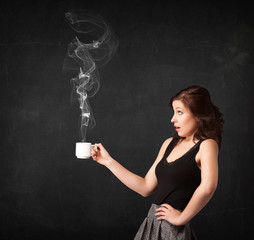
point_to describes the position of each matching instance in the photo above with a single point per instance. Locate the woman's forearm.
(199, 199)
(131, 180)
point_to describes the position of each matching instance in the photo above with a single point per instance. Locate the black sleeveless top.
(177, 180)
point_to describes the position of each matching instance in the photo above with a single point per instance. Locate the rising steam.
(94, 47)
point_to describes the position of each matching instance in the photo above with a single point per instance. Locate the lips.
(177, 128)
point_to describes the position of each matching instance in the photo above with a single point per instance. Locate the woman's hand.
(168, 213)
(100, 155)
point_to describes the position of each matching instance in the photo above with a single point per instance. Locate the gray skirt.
(152, 229)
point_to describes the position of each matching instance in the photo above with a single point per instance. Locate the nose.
(173, 119)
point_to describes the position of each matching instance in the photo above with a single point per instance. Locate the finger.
(96, 149)
(160, 218)
(100, 146)
(166, 205)
(159, 214)
(161, 209)
(94, 155)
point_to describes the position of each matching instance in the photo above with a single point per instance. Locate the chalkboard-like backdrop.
(45, 191)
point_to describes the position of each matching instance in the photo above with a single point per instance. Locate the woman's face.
(183, 120)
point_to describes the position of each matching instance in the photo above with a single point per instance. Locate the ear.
(197, 119)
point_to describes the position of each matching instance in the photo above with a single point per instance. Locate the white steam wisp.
(99, 49)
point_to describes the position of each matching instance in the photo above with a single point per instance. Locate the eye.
(179, 112)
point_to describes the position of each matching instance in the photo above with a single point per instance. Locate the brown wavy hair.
(209, 118)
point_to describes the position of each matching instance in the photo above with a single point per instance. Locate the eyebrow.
(178, 108)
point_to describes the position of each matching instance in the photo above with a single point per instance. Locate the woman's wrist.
(180, 220)
(109, 162)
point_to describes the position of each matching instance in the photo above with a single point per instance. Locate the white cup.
(84, 150)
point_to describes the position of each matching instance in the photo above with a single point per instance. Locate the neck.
(190, 139)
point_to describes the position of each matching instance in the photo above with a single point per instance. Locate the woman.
(185, 173)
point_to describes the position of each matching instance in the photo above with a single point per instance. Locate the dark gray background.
(164, 46)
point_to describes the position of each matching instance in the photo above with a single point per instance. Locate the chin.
(180, 135)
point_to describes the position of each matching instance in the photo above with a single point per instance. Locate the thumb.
(102, 149)
(99, 146)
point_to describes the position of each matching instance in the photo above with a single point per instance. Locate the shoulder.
(209, 144)
(208, 147)
(165, 144)
(168, 140)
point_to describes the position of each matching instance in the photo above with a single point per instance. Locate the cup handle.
(93, 145)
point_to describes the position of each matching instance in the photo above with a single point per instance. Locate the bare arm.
(144, 186)
(209, 178)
